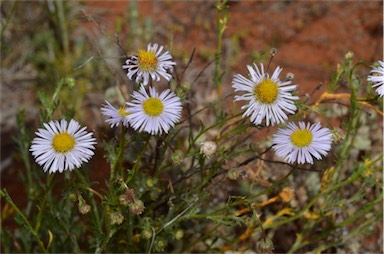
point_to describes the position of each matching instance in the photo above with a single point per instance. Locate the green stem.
(94, 211)
(137, 163)
(8, 198)
(4, 26)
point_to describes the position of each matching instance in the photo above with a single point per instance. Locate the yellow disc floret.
(301, 138)
(153, 106)
(266, 91)
(63, 142)
(147, 60)
(122, 112)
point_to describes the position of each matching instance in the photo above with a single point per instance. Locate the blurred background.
(44, 41)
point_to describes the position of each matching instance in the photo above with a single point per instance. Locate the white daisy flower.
(267, 97)
(154, 113)
(150, 63)
(115, 116)
(377, 78)
(60, 146)
(300, 144)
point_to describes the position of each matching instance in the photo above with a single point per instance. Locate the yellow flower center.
(266, 91)
(301, 138)
(122, 112)
(63, 142)
(147, 60)
(153, 106)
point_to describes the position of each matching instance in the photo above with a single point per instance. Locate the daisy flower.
(150, 63)
(267, 97)
(154, 113)
(115, 116)
(301, 143)
(377, 78)
(62, 146)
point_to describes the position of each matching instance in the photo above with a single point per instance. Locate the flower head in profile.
(115, 116)
(62, 146)
(377, 78)
(301, 143)
(267, 97)
(150, 63)
(154, 113)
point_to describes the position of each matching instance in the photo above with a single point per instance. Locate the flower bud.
(233, 174)
(179, 234)
(146, 234)
(150, 183)
(208, 148)
(72, 197)
(160, 244)
(177, 157)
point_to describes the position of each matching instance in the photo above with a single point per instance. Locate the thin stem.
(8, 198)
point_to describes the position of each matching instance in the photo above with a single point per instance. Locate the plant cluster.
(178, 183)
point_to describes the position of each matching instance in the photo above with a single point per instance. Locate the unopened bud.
(72, 197)
(179, 234)
(146, 234)
(208, 148)
(233, 174)
(150, 183)
(70, 82)
(177, 157)
(160, 244)
(186, 86)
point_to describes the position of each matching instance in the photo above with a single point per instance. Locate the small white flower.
(154, 113)
(300, 144)
(267, 97)
(61, 147)
(150, 63)
(377, 78)
(208, 148)
(115, 116)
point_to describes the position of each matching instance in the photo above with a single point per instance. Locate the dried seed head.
(128, 197)
(208, 148)
(137, 207)
(116, 218)
(84, 208)
(265, 245)
(273, 51)
(290, 76)
(287, 194)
